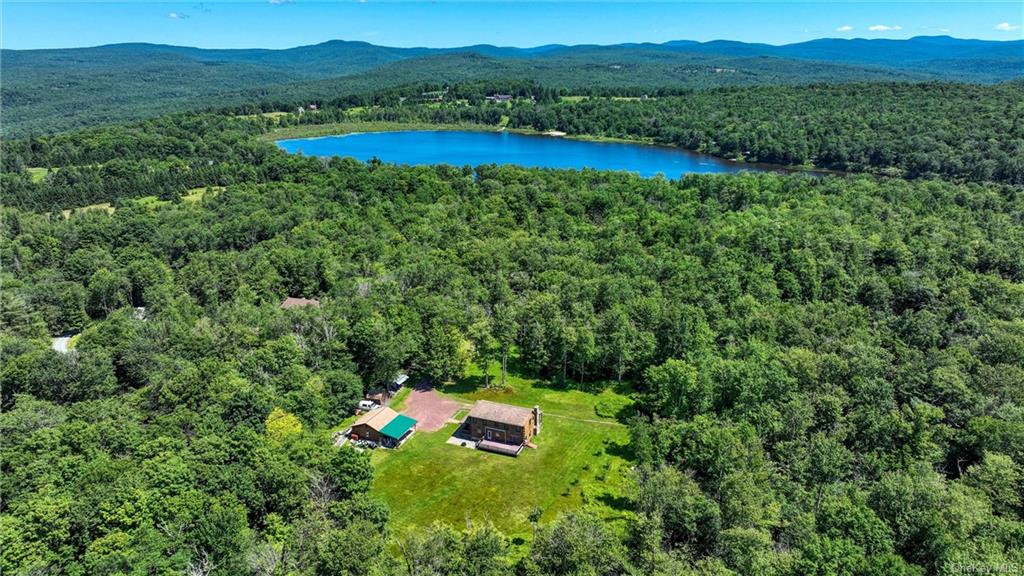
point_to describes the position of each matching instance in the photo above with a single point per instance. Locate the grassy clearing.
(194, 195)
(101, 206)
(37, 174)
(275, 116)
(151, 202)
(581, 461)
(554, 400)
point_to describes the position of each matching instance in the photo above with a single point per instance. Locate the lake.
(459, 148)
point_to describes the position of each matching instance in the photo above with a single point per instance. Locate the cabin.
(383, 426)
(299, 303)
(502, 428)
(501, 98)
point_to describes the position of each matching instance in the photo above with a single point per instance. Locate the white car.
(367, 405)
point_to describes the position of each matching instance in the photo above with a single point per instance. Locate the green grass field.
(399, 399)
(581, 461)
(194, 195)
(37, 174)
(101, 206)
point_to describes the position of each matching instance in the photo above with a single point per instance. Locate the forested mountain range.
(797, 374)
(54, 90)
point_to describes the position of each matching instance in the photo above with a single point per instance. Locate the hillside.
(56, 90)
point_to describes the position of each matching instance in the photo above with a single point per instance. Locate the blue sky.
(287, 23)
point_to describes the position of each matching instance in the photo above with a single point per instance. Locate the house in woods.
(501, 98)
(299, 303)
(502, 428)
(383, 426)
(434, 96)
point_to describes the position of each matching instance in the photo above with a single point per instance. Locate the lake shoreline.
(457, 146)
(311, 131)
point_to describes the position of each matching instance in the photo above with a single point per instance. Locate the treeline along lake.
(459, 148)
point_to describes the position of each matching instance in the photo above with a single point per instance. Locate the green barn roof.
(398, 427)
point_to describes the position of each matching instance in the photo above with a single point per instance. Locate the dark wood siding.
(366, 433)
(513, 434)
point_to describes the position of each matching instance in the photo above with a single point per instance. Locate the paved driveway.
(430, 409)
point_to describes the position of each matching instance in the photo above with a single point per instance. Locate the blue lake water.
(459, 148)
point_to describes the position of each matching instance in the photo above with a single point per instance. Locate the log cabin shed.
(502, 428)
(384, 426)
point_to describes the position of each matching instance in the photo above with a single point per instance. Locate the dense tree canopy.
(956, 131)
(961, 131)
(827, 369)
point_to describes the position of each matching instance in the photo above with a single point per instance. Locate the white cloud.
(1007, 27)
(944, 30)
(177, 15)
(846, 28)
(884, 28)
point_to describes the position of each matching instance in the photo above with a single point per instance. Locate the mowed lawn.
(581, 461)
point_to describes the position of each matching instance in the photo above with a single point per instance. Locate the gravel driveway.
(430, 409)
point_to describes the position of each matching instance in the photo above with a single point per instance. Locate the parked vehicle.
(367, 405)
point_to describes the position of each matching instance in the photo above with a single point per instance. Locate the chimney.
(536, 418)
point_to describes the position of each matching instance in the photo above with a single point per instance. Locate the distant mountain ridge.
(878, 51)
(59, 89)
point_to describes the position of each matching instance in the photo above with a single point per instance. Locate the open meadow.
(581, 461)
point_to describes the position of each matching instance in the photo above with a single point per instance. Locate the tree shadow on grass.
(623, 450)
(475, 383)
(464, 385)
(619, 503)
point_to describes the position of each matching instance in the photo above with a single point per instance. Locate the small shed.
(299, 303)
(378, 395)
(384, 426)
(398, 382)
(495, 423)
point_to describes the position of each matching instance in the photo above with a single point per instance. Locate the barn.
(502, 428)
(383, 426)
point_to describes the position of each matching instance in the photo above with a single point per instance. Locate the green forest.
(825, 369)
(48, 91)
(959, 132)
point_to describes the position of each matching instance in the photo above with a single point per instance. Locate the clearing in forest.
(581, 461)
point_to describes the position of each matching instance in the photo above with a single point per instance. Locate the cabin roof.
(377, 418)
(387, 422)
(398, 426)
(504, 413)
